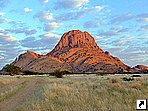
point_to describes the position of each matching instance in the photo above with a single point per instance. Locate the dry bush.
(18, 77)
(108, 78)
(114, 80)
(127, 79)
(58, 73)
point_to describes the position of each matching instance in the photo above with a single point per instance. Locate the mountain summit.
(76, 51)
(76, 39)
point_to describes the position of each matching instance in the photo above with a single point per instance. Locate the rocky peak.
(34, 54)
(107, 53)
(76, 39)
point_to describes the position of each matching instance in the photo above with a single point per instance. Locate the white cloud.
(27, 9)
(117, 27)
(126, 17)
(44, 1)
(91, 24)
(122, 18)
(51, 26)
(41, 44)
(99, 8)
(22, 30)
(98, 37)
(144, 28)
(145, 19)
(3, 20)
(1, 14)
(30, 32)
(143, 38)
(47, 35)
(76, 14)
(127, 35)
(66, 4)
(110, 33)
(7, 37)
(48, 17)
(44, 16)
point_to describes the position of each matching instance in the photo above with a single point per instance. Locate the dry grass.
(13, 90)
(89, 93)
(136, 85)
(5, 80)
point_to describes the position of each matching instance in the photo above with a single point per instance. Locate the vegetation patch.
(136, 76)
(127, 79)
(12, 69)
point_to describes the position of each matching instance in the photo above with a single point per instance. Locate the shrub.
(58, 73)
(136, 76)
(66, 72)
(128, 79)
(114, 80)
(108, 78)
(18, 77)
(101, 74)
(27, 72)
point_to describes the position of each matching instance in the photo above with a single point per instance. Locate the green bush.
(12, 69)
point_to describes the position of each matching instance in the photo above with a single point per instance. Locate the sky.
(118, 26)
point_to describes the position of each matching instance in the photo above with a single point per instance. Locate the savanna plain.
(72, 92)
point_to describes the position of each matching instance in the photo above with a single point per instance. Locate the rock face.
(76, 51)
(76, 39)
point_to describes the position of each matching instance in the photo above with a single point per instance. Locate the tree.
(12, 69)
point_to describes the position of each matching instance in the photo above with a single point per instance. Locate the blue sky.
(120, 27)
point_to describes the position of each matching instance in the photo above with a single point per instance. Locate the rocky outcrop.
(76, 39)
(140, 68)
(76, 51)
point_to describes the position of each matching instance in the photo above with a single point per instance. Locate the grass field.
(84, 93)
